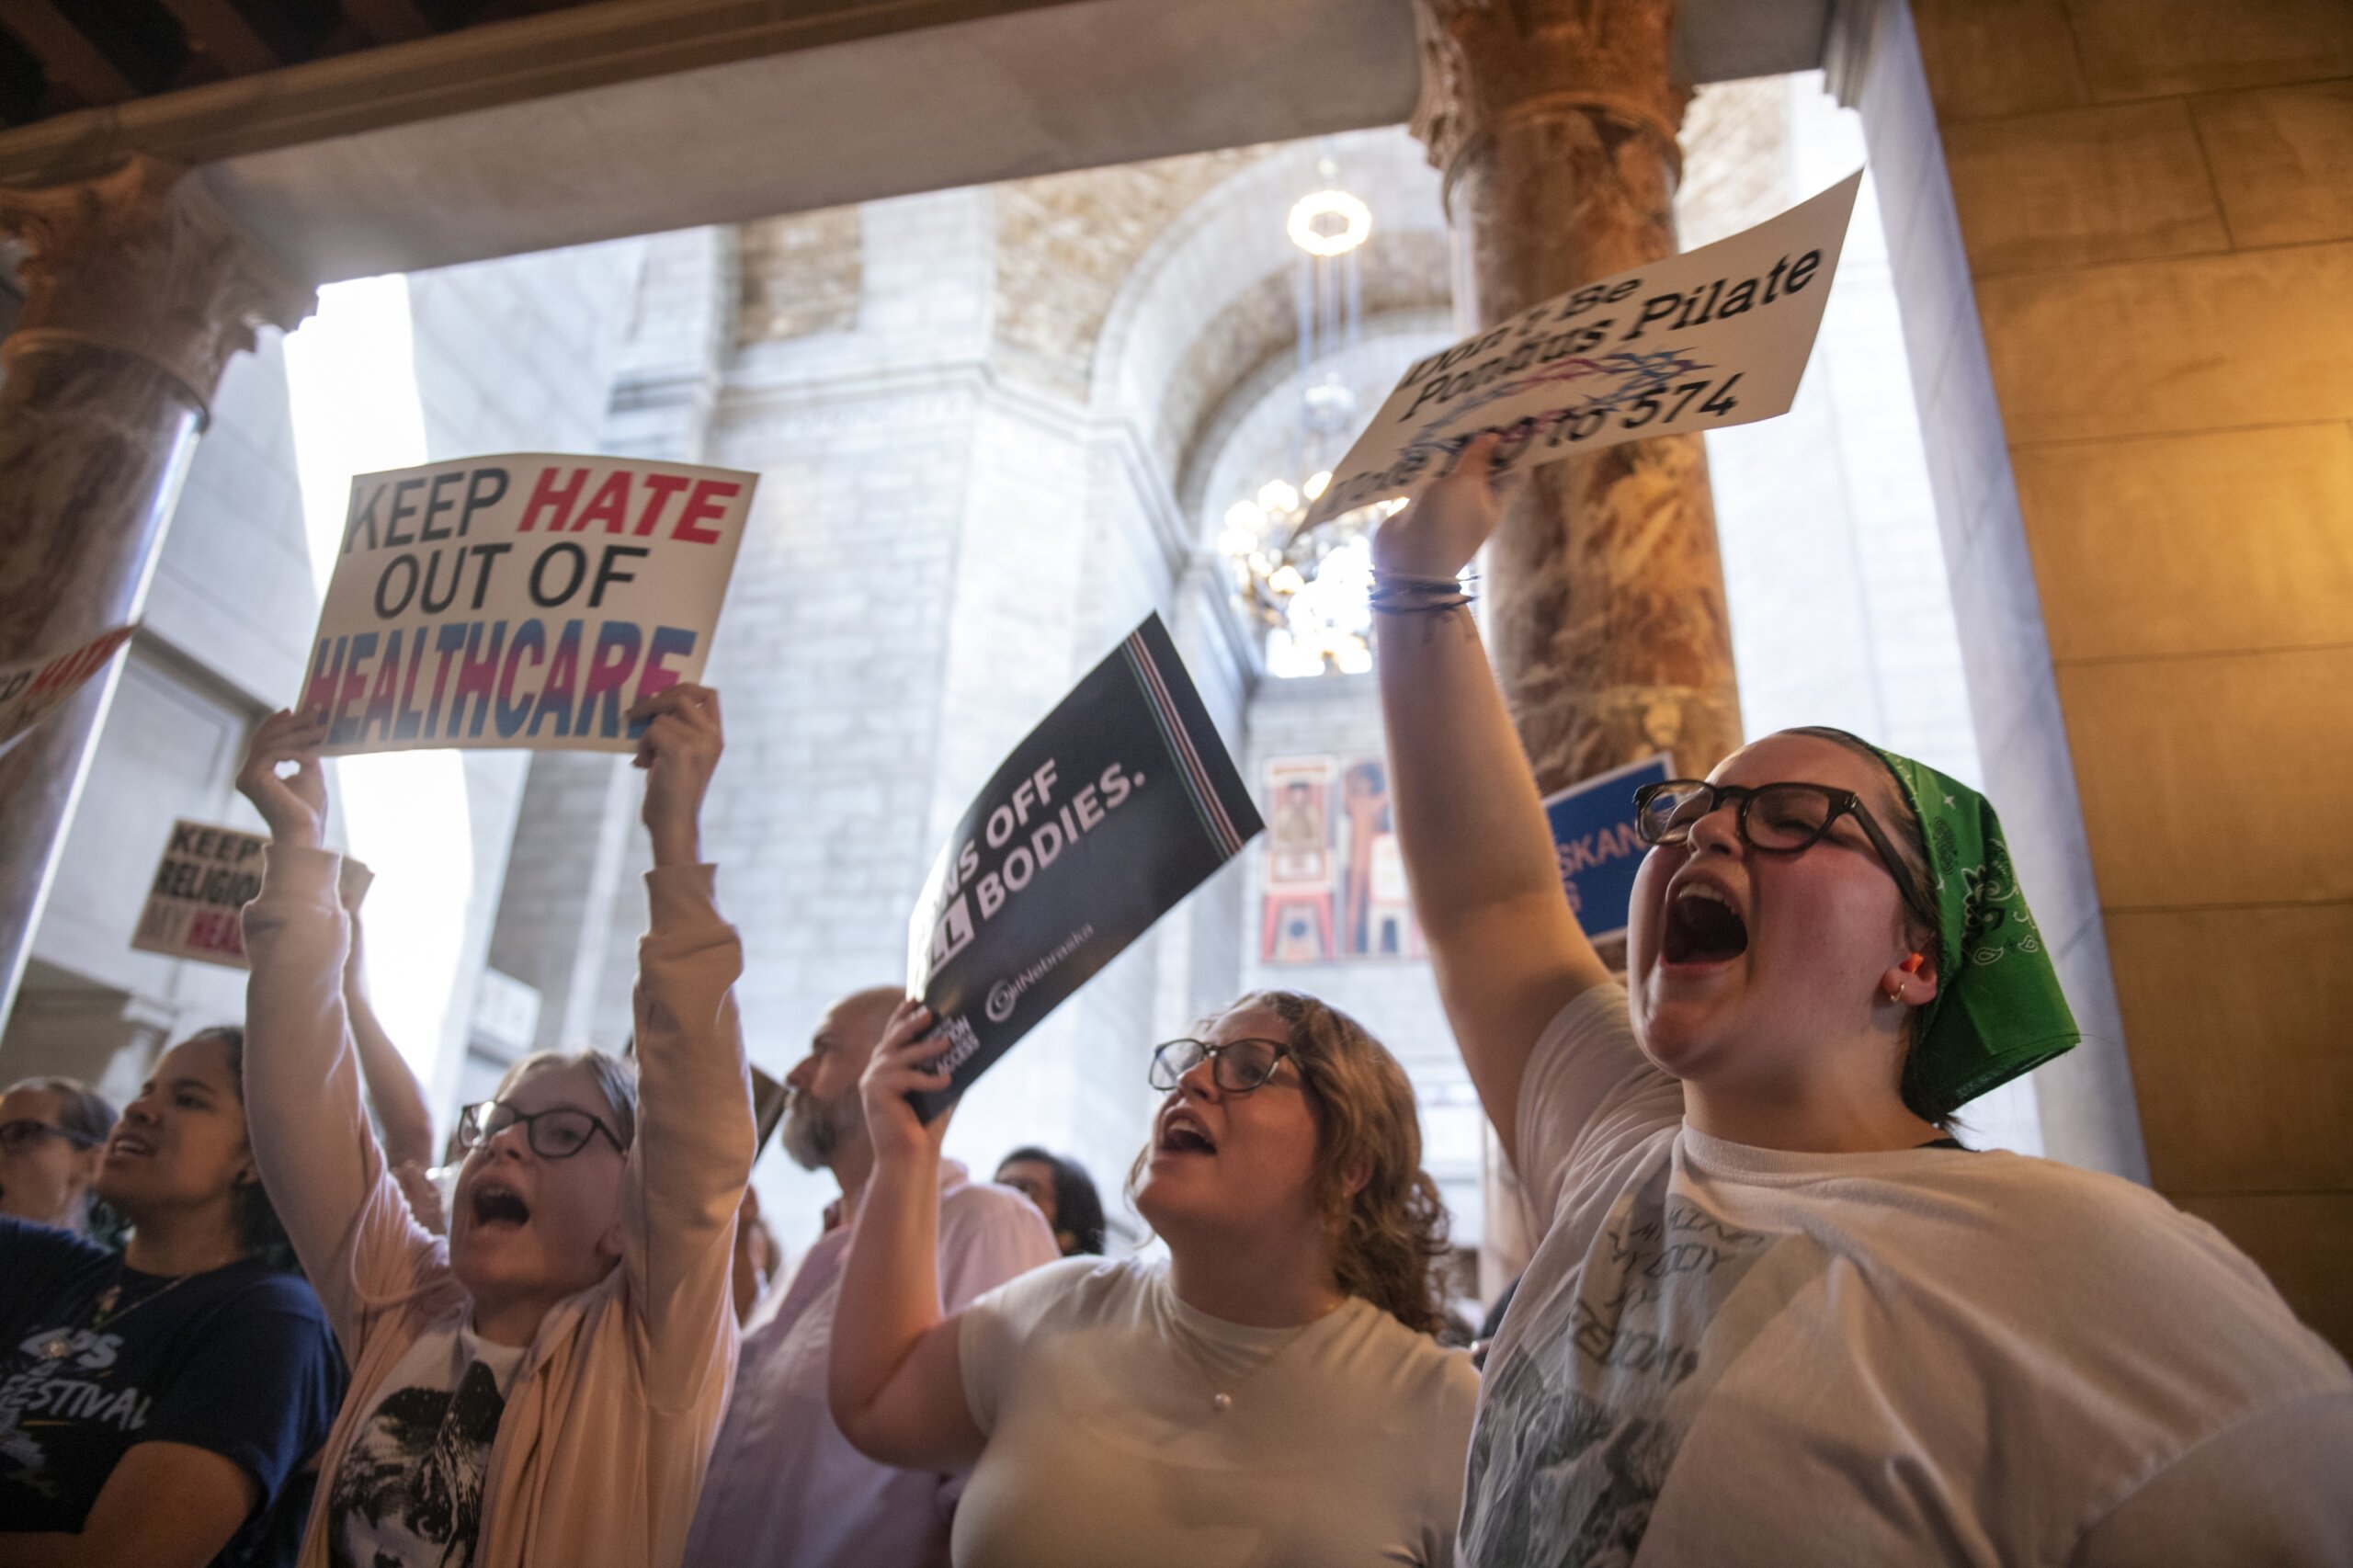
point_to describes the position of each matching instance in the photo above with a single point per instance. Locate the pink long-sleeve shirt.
(608, 1427)
(786, 1489)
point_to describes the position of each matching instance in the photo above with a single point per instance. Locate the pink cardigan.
(609, 1425)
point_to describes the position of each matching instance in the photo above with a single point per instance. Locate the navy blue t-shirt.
(238, 1361)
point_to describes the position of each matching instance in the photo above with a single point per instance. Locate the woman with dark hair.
(543, 1386)
(156, 1408)
(52, 1136)
(1268, 1393)
(1778, 1314)
(1062, 1192)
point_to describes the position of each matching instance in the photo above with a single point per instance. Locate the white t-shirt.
(1723, 1354)
(409, 1492)
(1341, 1446)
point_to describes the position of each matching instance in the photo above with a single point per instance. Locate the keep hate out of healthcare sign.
(1120, 802)
(519, 601)
(1716, 336)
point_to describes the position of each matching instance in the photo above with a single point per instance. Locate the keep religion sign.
(1716, 336)
(519, 601)
(195, 902)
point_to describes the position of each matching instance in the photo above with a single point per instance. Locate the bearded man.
(785, 1489)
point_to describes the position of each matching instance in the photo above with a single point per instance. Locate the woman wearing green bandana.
(1779, 1315)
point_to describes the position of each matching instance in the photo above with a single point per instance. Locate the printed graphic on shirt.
(1579, 1425)
(65, 1383)
(409, 1493)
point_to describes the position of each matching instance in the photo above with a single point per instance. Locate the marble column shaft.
(138, 291)
(1554, 122)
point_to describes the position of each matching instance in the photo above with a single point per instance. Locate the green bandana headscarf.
(1998, 1010)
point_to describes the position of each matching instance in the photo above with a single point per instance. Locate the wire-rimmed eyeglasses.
(1782, 819)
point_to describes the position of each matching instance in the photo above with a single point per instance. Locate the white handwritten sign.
(520, 601)
(1717, 336)
(30, 690)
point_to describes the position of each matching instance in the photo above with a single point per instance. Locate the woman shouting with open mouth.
(1779, 1315)
(544, 1386)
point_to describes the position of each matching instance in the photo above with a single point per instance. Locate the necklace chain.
(59, 1345)
(1222, 1398)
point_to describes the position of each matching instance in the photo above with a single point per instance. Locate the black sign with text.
(1101, 821)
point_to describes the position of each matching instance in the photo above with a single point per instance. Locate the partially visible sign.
(195, 904)
(1105, 816)
(768, 1099)
(520, 601)
(506, 1011)
(1597, 845)
(1716, 336)
(30, 690)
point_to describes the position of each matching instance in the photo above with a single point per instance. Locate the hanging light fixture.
(1309, 592)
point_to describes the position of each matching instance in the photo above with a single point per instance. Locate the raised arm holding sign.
(1105, 816)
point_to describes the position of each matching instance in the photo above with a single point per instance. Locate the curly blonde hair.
(1389, 1234)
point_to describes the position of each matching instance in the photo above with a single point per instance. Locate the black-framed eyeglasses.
(1780, 819)
(15, 1137)
(555, 1134)
(1237, 1067)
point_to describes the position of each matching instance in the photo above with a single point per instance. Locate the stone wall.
(1066, 245)
(2154, 208)
(800, 275)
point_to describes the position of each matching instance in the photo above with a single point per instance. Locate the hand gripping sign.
(1113, 809)
(520, 601)
(1717, 336)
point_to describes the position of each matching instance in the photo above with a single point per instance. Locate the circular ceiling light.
(1329, 223)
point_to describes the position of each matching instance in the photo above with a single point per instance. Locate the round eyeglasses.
(1782, 819)
(556, 1134)
(1237, 1067)
(15, 1137)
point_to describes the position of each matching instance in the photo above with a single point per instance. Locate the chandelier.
(1308, 589)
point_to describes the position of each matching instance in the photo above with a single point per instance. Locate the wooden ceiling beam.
(218, 29)
(69, 58)
(389, 21)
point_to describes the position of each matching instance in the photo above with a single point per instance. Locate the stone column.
(1554, 123)
(138, 291)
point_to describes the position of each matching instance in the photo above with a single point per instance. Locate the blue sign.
(1595, 839)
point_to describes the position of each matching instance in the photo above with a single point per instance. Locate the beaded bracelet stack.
(1394, 595)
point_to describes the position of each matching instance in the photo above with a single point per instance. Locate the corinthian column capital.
(142, 261)
(1487, 62)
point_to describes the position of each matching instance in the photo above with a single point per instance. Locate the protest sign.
(1716, 336)
(194, 904)
(768, 1097)
(28, 691)
(1105, 816)
(519, 601)
(1597, 845)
